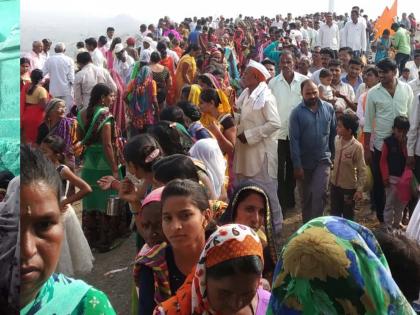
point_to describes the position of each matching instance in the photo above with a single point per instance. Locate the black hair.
(334, 63)
(173, 113)
(192, 47)
(206, 80)
(324, 73)
(155, 57)
(175, 166)
(115, 41)
(84, 58)
(5, 178)
(403, 257)
(356, 61)
(24, 60)
(405, 70)
(161, 48)
(236, 266)
(387, 64)
(80, 45)
(327, 51)
(401, 123)
(185, 92)
(242, 196)
(268, 61)
(34, 167)
(190, 110)
(349, 121)
(210, 95)
(138, 148)
(98, 91)
(36, 77)
(187, 188)
(373, 70)
(57, 145)
(102, 40)
(91, 42)
(386, 32)
(170, 139)
(110, 29)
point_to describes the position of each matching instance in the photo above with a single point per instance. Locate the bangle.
(113, 183)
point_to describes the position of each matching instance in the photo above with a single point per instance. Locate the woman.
(25, 65)
(169, 63)
(109, 55)
(56, 123)
(142, 100)
(41, 290)
(185, 216)
(34, 98)
(97, 134)
(250, 206)
(162, 77)
(226, 279)
(208, 152)
(334, 266)
(383, 44)
(186, 70)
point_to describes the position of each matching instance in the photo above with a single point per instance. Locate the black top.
(43, 131)
(147, 289)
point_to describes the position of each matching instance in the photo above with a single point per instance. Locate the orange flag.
(386, 19)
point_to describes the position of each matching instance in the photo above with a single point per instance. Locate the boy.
(392, 165)
(349, 173)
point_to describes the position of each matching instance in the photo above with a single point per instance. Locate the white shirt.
(61, 70)
(86, 79)
(278, 24)
(37, 61)
(108, 42)
(296, 36)
(124, 69)
(145, 54)
(414, 70)
(98, 58)
(329, 36)
(413, 135)
(287, 97)
(174, 56)
(354, 36)
(347, 90)
(315, 76)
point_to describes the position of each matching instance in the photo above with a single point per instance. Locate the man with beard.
(311, 132)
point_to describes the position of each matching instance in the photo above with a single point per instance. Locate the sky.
(150, 11)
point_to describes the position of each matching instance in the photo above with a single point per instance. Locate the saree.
(118, 108)
(63, 295)
(334, 266)
(179, 80)
(66, 128)
(169, 63)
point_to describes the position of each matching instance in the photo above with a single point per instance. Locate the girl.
(185, 217)
(75, 256)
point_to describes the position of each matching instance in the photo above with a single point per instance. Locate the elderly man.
(61, 71)
(147, 50)
(87, 78)
(385, 101)
(255, 154)
(36, 57)
(312, 132)
(123, 63)
(286, 89)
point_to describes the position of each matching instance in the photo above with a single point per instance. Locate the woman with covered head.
(187, 69)
(226, 279)
(334, 266)
(255, 154)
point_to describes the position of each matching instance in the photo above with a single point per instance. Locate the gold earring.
(28, 210)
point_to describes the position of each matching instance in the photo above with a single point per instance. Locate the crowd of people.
(205, 134)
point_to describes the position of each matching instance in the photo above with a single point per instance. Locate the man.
(255, 154)
(286, 89)
(401, 43)
(312, 132)
(140, 37)
(270, 65)
(343, 91)
(316, 60)
(354, 75)
(87, 78)
(327, 55)
(278, 22)
(61, 71)
(303, 66)
(131, 51)
(46, 46)
(413, 135)
(194, 37)
(193, 24)
(385, 101)
(414, 66)
(313, 28)
(123, 63)
(354, 35)
(109, 36)
(329, 34)
(345, 54)
(98, 58)
(405, 22)
(147, 50)
(36, 57)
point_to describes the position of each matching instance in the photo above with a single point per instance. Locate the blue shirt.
(193, 38)
(312, 135)
(357, 84)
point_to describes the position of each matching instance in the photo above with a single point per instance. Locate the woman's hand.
(105, 182)
(128, 191)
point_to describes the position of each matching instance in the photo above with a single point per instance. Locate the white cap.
(118, 48)
(260, 68)
(147, 39)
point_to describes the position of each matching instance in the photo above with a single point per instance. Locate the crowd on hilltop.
(208, 132)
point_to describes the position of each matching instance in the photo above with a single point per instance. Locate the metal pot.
(114, 206)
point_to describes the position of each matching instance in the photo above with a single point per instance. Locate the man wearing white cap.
(147, 50)
(61, 71)
(255, 156)
(124, 63)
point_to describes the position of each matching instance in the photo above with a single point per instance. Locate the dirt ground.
(118, 285)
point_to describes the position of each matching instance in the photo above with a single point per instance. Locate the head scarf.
(231, 210)
(194, 96)
(228, 242)
(140, 91)
(208, 151)
(131, 41)
(334, 266)
(51, 105)
(154, 196)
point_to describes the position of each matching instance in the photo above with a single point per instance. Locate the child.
(349, 173)
(405, 75)
(392, 165)
(76, 256)
(325, 90)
